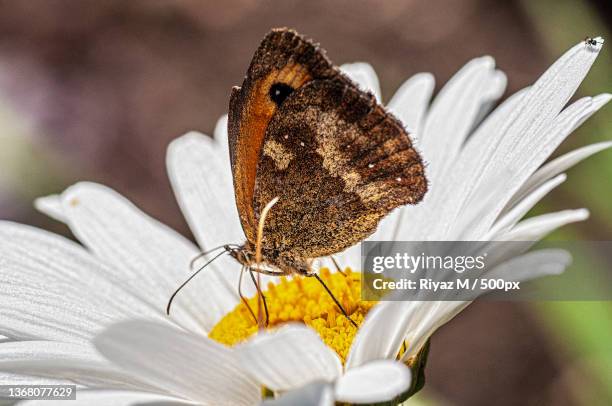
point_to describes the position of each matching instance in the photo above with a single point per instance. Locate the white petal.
(411, 100)
(531, 265)
(535, 228)
(375, 382)
(598, 101)
(453, 113)
(221, 137)
(364, 75)
(567, 121)
(437, 201)
(525, 155)
(368, 344)
(400, 320)
(148, 256)
(527, 136)
(51, 288)
(473, 86)
(514, 213)
(200, 174)
(51, 206)
(76, 362)
(289, 358)
(313, 394)
(421, 320)
(516, 166)
(499, 81)
(557, 166)
(489, 134)
(183, 364)
(419, 331)
(109, 398)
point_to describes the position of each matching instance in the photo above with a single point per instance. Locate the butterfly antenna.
(189, 279)
(210, 251)
(260, 230)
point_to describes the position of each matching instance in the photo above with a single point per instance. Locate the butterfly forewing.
(283, 57)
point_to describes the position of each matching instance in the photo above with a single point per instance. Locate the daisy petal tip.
(187, 138)
(564, 262)
(51, 206)
(178, 147)
(374, 382)
(194, 134)
(71, 197)
(602, 99)
(488, 59)
(364, 74)
(561, 262)
(426, 78)
(361, 67)
(582, 214)
(561, 178)
(221, 128)
(500, 78)
(485, 61)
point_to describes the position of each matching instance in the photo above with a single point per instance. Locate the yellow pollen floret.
(303, 299)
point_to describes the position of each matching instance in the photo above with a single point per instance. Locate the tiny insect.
(593, 42)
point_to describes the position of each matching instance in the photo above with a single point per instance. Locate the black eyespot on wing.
(279, 92)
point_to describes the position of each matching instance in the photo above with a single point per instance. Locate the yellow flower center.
(303, 299)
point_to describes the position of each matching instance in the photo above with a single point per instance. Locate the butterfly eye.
(279, 92)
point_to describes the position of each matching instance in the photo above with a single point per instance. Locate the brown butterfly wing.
(282, 57)
(339, 163)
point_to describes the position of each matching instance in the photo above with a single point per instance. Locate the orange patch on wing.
(259, 111)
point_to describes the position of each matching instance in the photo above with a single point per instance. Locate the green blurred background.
(96, 89)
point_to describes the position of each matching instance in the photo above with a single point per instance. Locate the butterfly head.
(243, 254)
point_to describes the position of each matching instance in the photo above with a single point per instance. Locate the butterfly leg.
(329, 292)
(244, 300)
(337, 266)
(262, 298)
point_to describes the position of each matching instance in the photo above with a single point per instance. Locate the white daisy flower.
(94, 315)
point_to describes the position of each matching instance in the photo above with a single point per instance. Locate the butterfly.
(316, 162)
(332, 160)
